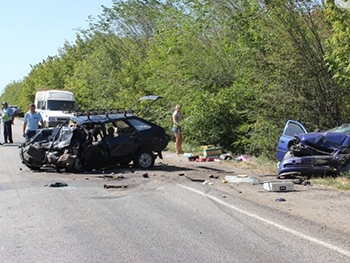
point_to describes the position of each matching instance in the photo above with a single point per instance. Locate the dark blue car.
(315, 153)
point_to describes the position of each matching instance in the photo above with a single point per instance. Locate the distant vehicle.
(55, 106)
(95, 140)
(314, 153)
(17, 110)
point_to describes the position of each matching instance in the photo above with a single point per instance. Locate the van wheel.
(144, 159)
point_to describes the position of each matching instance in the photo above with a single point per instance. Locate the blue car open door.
(290, 129)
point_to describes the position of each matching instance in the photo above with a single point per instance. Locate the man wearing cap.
(7, 118)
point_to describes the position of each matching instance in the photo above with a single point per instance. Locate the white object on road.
(279, 186)
(238, 179)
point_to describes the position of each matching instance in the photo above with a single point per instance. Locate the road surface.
(155, 216)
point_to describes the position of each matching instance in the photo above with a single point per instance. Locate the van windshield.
(60, 105)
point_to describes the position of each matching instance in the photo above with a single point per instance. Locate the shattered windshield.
(342, 128)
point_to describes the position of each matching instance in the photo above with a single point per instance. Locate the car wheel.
(144, 159)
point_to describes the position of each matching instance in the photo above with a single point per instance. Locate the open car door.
(290, 129)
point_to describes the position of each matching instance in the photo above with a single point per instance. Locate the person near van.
(31, 121)
(177, 117)
(7, 119)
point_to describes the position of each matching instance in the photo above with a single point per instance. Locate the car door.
(123, 145)
(290, 129)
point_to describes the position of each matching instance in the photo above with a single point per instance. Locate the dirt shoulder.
(317, 203)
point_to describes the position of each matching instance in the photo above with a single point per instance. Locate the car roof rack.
(94, 112)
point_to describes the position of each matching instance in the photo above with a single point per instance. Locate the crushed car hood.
(326, 140)
(318, 153)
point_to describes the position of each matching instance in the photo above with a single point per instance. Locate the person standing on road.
(7, 119)
(31, 122)
(177, 117)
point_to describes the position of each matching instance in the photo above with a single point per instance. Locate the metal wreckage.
(97, 139)
(315, 153)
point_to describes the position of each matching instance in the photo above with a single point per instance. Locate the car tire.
(144, 159)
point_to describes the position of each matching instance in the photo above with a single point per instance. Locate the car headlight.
(52, 119)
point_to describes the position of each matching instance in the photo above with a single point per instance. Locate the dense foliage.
(239, 69)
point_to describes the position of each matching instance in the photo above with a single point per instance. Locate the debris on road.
(207, 182)
(113, 176)
(58, 184)
(197, 180)
(235, 189)
(106, 186)
(238, 179)
(280, 200)
(279, 186)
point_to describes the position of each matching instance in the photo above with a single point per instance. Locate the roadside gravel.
(317, 203)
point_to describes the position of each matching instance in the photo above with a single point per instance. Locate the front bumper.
(308, 165)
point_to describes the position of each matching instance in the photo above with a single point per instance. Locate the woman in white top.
(177, 117)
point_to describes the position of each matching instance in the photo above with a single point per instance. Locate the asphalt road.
(152, 219)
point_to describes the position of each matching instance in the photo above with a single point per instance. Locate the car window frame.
(287, 136)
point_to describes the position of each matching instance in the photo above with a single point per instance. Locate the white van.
(55, 106)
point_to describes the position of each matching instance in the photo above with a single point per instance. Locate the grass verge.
(262, 165)
(341, 182)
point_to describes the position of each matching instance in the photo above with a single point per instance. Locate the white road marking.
(296, 233)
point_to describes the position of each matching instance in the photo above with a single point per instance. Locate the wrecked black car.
(95, 140)
(315, 153)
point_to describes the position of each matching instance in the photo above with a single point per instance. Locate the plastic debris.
(242, 158)
(280, 200)
(207, 182)
(238, 179)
